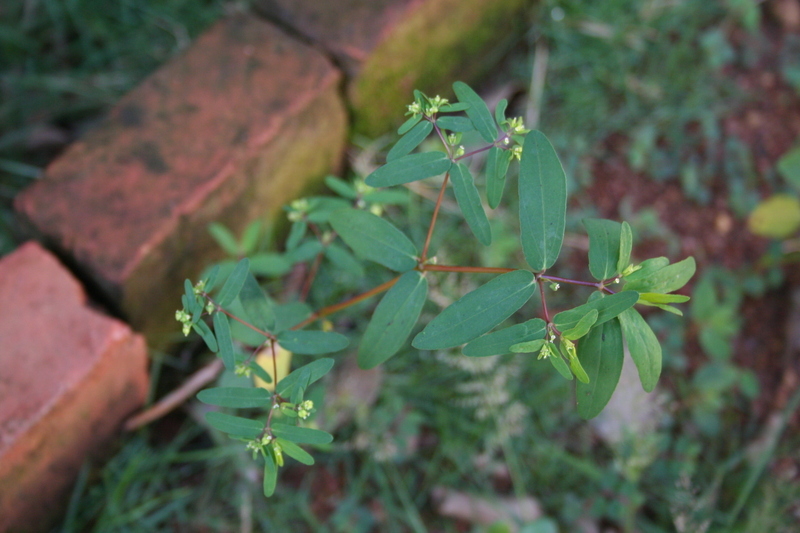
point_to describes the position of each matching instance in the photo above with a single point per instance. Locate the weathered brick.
(388, 48)
(230, 130)
(69, 376)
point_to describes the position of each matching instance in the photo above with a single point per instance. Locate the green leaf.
(582, 327)
(235, 425)
(322, 207)
(250, 237)
(625, 246)
(496, 168)
(409, 141)
(316, 369)
(408, 124)
(789, 167)
(542, 201)
(607, 308)
(558, 362)
(290, 314)
(529, 346)
(604, 245)
(500, 111)
(222, 328)
(499, 342)
(600, 353)
(453, 107)
(390, 196)
(409, 168)
(237, 397)
(341, 187)
(296, 234)
(658, 298)
(457, 124)
(233, 285)
(344, 260)
(211, 278)
(269, 264)
(375, 239)
(270, 476)
(393, 320)
(470, 203)
(296, 452)
(224, 238)
(300, 435)
(259, 371)
(257, 306)
(643, 346)
(477, 312)
(204, 331)
(647, 267)
(312, 342)
(477, 111)
(669, 308)
(667, 279)
(577, 369)
(306, 251)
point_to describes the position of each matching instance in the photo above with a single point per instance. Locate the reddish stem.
(476, 270)
(424, 256)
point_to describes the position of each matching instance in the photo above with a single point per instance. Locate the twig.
(197, 381)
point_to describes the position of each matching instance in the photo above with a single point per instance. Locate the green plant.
(585, 342)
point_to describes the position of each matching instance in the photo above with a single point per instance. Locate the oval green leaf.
(477, 312)
(300, 435)
(236, 397)
(408, 124)
(270, 475)
(269, 264)
(604, 245)
(643, 346)
(500, 342)
(478, 112)
(393, 320)
(542, 202)
(582, 327)
(375, 239)
(528, 346)
(344, 260)
(496, 168)
(316, 369)
(600, 354)
(457, 124)
(667, 279)
(409, 168)
(607, 308)
(230, 290)
(235, 425)
(312, 342)
(558, 362)
(257, 305)
(222, 328)
(202, 329)
(296, 452)
(469, 201)
(625, 246)
(409, 141)
(341, 187)
(647, 267)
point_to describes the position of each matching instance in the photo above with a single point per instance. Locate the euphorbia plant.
(585, 342)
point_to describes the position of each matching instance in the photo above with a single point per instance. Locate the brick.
(69, 377)
(229, 131)
(388, 48)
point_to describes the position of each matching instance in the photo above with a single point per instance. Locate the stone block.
(388, 48)
(228, 131)
(69, 376)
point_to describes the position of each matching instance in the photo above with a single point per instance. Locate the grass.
(495, 427)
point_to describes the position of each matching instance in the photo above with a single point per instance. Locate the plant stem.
(570, 281)
(424, 256)
(544, 301)
(329, 310)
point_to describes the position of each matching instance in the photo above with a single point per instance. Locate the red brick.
(230, 131)
(388, 48)
(69, 377)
